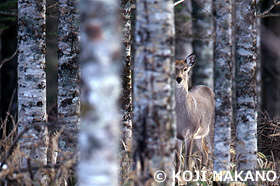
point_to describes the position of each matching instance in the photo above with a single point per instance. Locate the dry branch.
(266, 13)
(8, 59)
(268, 135)
(4, 13)
(13, 146)
(178, 2)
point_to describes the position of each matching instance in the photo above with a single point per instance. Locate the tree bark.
(246, 93)
(68, 101)
(223, 85)
(126, 97)
(32, 81)
(100, 64)
(154, 101)
(203, 43)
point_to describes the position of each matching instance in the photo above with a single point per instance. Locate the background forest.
(196, 30)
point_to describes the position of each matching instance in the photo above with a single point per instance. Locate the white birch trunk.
(68, 101)
(126, 98)
(100, 65)
(154, 101)
(246, 93)
(32, 82)
(223, 85)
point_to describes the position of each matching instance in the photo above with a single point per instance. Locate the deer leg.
(178, 155)
(188, 149)
(203, 148)
(208, 143)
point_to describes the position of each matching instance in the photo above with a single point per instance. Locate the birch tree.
(68, 101)
(223, 85)
(126, 97)
(100, 52)
(32, 81)
(246, 94)
(153, 90)
(203, 43)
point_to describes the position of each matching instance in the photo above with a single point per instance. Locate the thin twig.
(8, 59)
(178, 2)
(9, 153)
(13, 146)
(267, 11)
(53, 5)
(268, 15)
(10, 105)
(205, 9)
(8, 13)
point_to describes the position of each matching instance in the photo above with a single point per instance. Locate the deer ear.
(191, 59)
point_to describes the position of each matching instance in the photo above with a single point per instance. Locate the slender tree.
(153, 90)
(126, 96)
(246, 94)
(223, 85)
(100, 54)
(203, 43)
(183, 29)
(32, 81)
(68, 101)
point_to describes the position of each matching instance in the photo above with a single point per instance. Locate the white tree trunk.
(32, 81)
(153, 107)
(126, 97)
(223, 85)
(246, 93)
(100, 65)
(68, 101)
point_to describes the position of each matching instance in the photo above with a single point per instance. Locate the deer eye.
(185, 69)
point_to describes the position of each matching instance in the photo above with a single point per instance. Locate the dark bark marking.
(66, 102)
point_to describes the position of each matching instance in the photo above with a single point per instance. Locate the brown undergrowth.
(268, 157)
(269, 145)
(62, 171)
(60, 167)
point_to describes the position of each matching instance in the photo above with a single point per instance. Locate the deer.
(195, 112)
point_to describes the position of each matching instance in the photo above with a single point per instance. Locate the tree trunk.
(183, 29)
(100, 52)
(126, 97)
(223, 85)
(32, 81)
(246, 94)
(153, 89)
(68, 101)
(203, 43)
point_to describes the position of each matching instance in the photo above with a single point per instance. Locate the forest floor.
(63, 171)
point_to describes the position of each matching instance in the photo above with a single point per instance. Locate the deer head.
(182, 69)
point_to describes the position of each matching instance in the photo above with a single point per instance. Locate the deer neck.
(182, 94)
